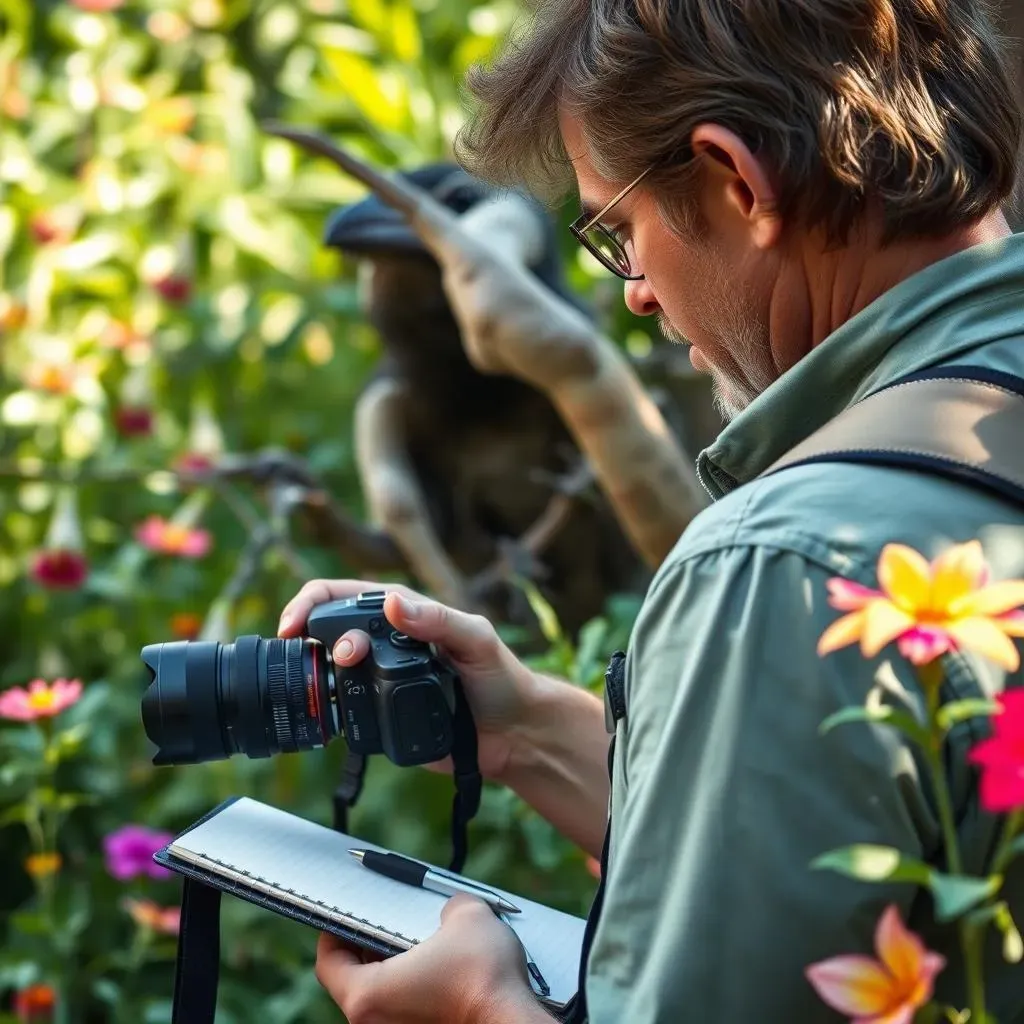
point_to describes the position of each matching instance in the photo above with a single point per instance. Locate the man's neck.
(845, 281)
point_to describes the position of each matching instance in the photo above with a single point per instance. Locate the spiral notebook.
(303, 870)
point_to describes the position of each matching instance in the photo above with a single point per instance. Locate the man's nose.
(640, 298)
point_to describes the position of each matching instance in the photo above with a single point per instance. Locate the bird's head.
(371, 230)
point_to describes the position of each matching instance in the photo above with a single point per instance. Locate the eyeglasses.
(602, 244)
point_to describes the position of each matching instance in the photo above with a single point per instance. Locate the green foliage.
(161, 259)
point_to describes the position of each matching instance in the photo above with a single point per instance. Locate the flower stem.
(974, 979)
(1014, 824)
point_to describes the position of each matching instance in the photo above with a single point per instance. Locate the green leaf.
(874, 864)
(954, 895)
(961, 710)
(546, 617)
(882, 715)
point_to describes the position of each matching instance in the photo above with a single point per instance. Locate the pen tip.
(509, 908)
(358, 854)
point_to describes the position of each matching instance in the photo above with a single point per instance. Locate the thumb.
(466, 638)
(463, 906)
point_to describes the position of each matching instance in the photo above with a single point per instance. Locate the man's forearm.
(559, 761)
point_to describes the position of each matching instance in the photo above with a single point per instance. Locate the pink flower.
(39, 700)
(888, 990)
(97, 6)
(1001, 757)
(167, 538)
(60, 569)
(147, 914)
(129, 852)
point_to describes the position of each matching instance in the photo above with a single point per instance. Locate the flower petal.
(898, 948)
(883, 622)
(958, 571)
(853, 985)
(905, 576)
(847, 596)
(1009, 723)
(1002, 789)
(1012, 623)
(921, 645)
(985, 637)
(903, 1013)
(996, 599)
(842, 632)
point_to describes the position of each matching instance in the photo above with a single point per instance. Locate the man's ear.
(741, 180)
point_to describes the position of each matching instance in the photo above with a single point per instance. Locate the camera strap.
(197, 970)
(466, 774)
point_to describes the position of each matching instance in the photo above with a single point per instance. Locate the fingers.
(351, 648)
(466, 638)
(296, 611)
(340, 967)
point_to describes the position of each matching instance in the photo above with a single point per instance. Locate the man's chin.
(697, 361)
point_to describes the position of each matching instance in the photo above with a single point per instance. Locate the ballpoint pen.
(401, 869)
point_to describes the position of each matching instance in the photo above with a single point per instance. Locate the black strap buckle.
(615, 691)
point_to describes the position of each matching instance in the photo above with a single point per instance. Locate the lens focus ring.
(277, 691)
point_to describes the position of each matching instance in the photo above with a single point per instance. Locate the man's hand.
(498, 687)
(471, 971)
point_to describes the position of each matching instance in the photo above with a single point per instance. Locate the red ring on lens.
(316, 697)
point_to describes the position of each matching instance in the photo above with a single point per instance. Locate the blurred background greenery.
(164, 298)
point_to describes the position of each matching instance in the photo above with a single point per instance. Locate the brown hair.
(906, 102)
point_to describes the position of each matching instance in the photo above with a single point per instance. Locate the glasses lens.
(608, 249)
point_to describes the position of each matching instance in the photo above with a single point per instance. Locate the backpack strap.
(963, 422)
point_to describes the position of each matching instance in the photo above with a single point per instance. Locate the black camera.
(260, 696)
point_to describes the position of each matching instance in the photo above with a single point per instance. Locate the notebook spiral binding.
(248, 881)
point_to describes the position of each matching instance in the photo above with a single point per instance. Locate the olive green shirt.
(724, 790)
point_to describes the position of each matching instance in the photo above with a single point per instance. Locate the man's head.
(800, 155)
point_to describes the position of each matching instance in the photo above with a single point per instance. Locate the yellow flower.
(41, 865)
(929, 608)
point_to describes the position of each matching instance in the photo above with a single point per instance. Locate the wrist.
(551, 718)
(514, 1004)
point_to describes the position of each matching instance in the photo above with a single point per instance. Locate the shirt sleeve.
(725, 791)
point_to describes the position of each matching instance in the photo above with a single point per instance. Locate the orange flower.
(52, 378)
(889, 990)
(147, 914)
(929, 609)
(185, 625)
(42, 865)
(35, 1004)
(13, 314)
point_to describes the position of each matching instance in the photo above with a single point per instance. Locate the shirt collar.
(946, 309)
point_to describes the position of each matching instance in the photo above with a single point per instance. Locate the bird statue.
(474, 476)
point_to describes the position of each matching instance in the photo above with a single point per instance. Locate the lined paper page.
(277, 852)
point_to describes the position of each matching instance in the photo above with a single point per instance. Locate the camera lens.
(207, 701)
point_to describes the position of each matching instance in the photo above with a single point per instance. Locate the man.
(808, 192)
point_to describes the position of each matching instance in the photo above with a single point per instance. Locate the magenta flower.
(1001, 757)
(129, 852)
